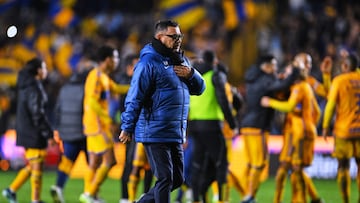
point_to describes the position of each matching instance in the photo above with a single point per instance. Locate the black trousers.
(167, 163)
(209, 162)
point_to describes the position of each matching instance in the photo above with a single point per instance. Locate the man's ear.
(157, 36)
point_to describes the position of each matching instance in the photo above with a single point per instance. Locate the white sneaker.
(85, 198)
(124, 201)
(57, 194)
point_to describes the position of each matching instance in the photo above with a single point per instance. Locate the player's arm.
(329, 108)
(118, 88)
(317, 110)
(285, 106)
(101, 112)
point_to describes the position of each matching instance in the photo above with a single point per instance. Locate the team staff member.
(344, 97)
(32, 128)
(300, 131)
(156, 107)
(97, 122)
(205, 127)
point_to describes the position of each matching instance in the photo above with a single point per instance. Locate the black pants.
(209, 162)
(167, 163)
(129, 155)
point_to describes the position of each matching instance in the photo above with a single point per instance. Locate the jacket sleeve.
(281, 85)
(219, 79)
(37, 112)
(195, 83)
(141, 88)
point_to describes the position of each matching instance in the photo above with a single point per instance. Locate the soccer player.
(97, 122)
(300, 131)
(319, 89)
(344, 96)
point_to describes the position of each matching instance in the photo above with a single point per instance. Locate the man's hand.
(326, 65)
(325, 133)
(125, 137)
(183, 71)
(265, 101)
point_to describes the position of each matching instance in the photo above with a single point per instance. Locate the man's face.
(172, 38)
(43, 71)
(114, 62)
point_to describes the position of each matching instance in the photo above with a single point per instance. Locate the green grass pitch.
(110, 190)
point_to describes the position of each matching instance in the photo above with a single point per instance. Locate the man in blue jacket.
(157, 105)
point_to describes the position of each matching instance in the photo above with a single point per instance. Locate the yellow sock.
(343, 179)
(89, 176)
(215, 189)
(20, 179)
(253, 181)
(234, 182)
(310, 187)
(100, 176)
(280, 179)
(298, 187)
(36, 183)
(132, 185)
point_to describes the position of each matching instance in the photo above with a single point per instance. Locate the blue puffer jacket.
(157, 104)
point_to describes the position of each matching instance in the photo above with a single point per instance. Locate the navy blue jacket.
(157, 103)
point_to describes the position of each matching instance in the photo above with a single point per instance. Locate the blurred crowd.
(65, 33)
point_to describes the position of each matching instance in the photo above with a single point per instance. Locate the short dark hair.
(129, 59)
(266, 58)
(104, 52)
(162, 25)
(208, 56)
(353, 61)
(33, 65)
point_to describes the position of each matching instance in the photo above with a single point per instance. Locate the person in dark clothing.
(69, 112)
(256, 122)
(33, 129)
(156, 108)
(206, 117)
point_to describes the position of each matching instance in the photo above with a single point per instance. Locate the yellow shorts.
(35, 155)
(256, 146)
(303, 152)
(298, 149)
(140, 158)
(346, 148)
(99, 143)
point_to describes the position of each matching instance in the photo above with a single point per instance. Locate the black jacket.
(259, 84)
(32, 126)
(69, 109)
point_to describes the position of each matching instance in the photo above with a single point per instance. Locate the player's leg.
(36, 161)
(281, 175)
(343, 151)
(256, 147)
